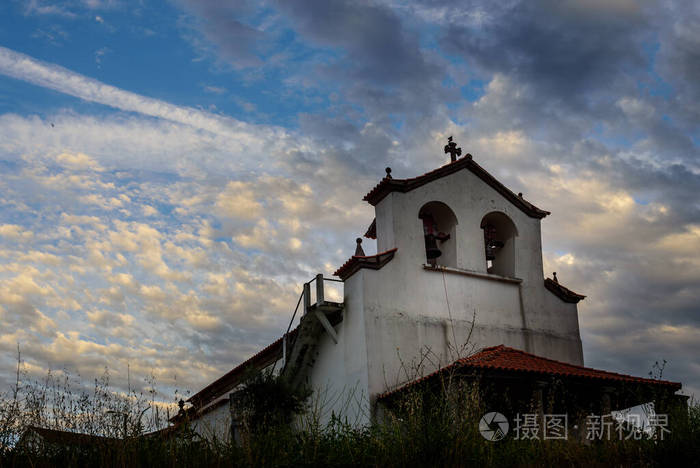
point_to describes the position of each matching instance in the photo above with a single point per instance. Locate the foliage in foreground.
(397, 443)
(425, 429)
(268, 400)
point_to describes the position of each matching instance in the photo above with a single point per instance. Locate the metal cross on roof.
(451, 147)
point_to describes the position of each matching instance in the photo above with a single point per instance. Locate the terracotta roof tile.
(355, 263)
(562, 292)
(53, 436)
(388, 185)
(509, 359)
(225, 382)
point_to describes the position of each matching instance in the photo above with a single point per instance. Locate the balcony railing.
(319, 293)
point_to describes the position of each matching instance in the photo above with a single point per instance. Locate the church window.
(439, 232)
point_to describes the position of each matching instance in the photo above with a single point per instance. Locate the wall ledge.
(475, 274)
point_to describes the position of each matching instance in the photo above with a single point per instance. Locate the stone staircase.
(300, 354)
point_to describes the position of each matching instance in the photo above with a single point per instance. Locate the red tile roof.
(388, 185)
(226, 382)
(508, 359)
(54, 436)
(355, 263)
(563, 293)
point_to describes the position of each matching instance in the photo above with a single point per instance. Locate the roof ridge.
(434, 170)
(485, 357)
(503, 348)
(389, 184)
(562, 292)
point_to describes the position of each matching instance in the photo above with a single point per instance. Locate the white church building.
(457, 280)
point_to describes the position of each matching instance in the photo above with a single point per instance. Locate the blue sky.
(173, 171)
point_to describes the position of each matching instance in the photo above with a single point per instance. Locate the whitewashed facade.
(402, 317)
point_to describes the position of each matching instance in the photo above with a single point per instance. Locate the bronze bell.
(491, 248)
(490, 251)
(490, 242)
(431, 248)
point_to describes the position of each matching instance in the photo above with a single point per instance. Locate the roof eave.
(388, 185)
(481, 362)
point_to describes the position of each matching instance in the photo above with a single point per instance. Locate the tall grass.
(436, 426)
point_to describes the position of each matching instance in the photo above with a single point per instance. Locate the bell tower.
(458, 268)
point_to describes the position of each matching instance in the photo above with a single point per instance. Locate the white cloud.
(78, 161)
(26, 68)
(238, 215)
(14, 231)
(238, 200)
(214, 89)
(636, 108)
(40, 7)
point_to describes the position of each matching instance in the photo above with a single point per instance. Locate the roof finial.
(555, 277)
(358, 250)
(388, 172)
(451, 147)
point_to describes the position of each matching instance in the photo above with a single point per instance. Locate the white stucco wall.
(214, 419)
(405, 320)
(406, 306)
(215, 424)
(556, 329)
(339, 374)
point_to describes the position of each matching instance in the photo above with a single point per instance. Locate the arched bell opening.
(499, 243)
(439, 231)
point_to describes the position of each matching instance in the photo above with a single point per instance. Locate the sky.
(171, 172)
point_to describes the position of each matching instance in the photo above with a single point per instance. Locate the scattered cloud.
(42, 7)
(100, 53)
(177, 238)
(214, 89)
(23, 67)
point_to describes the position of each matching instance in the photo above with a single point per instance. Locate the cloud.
(116, 266)
(360, 49)
(13, 231)
(78, 161)
(100, 53)
(39, 7)
(68, 9)
(235, 40)
(178, 238)
(372, 36)
(23, 67)
(214, 89)
(678, 61)
(566, 49)
(238, 200)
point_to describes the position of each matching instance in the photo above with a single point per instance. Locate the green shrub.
(426, 427)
